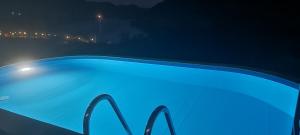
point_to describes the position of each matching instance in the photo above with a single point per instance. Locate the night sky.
(141, 3)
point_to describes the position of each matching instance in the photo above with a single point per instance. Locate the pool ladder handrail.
(93, 104)
(154, 116)
(150, 123)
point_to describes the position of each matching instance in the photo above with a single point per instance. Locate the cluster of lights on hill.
(46, 36)
(90, 39)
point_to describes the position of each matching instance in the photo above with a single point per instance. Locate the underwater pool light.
(25, 69)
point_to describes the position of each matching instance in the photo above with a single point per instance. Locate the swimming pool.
(202, 100)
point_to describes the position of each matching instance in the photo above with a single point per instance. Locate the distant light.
(67, 37)
(99, 17)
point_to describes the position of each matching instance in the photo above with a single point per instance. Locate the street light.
(99, 17)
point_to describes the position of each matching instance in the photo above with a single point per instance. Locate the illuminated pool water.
(203, 100)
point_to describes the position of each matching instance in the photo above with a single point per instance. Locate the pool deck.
(19, 125)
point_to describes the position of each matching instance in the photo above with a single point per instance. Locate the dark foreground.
(13, 124)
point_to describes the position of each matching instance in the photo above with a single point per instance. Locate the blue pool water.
(203, 100)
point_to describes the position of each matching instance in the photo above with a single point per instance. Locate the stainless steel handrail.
(154, 116)
(90, 109)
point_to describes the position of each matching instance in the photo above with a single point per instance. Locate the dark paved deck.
(13, 124)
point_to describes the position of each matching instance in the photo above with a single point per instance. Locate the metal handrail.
(154, 116)
(90, 109)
